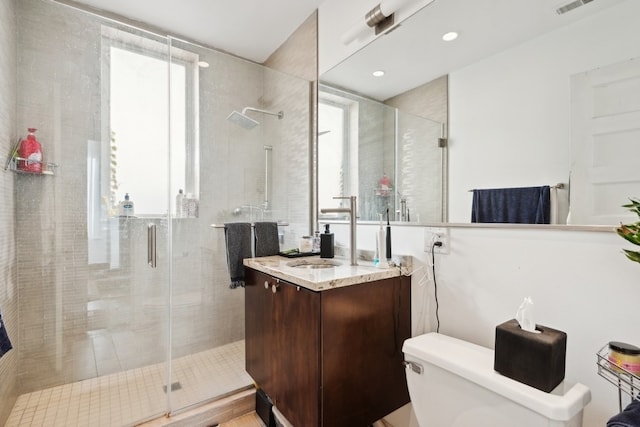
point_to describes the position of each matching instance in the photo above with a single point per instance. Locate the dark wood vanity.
(328, 358)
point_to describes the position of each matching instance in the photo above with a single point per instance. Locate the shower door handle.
(151, 245)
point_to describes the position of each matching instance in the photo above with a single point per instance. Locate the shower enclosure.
(133, 312)
(391, 159)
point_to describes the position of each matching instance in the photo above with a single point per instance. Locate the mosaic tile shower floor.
(126, 398)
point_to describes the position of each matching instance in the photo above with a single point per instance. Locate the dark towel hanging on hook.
(266, 239)
(238, 240)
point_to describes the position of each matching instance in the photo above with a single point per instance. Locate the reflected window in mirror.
(337, 118)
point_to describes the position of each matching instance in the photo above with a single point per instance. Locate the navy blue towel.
(5, 344)
(630, 417)
(266, 237)
(237, 236)
(524, 205)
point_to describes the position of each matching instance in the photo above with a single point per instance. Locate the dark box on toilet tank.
(535, 359)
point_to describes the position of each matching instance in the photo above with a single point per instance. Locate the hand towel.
(237, 236)
(266, 238)
(5, 344)
(525, 205)
(630, 417)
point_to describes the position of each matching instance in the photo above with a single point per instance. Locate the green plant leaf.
(630, 232)
(632, 255)
(634, 206)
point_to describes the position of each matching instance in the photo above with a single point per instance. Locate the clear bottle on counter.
(316, 242)
(306, 244)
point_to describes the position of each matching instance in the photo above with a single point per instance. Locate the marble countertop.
(320, 279)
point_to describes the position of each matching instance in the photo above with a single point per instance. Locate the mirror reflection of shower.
(241, 119)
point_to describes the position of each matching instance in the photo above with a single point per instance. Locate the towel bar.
(280, 224)
(559, 186)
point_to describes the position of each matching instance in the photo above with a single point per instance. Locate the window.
(140, 102)
(149, 147)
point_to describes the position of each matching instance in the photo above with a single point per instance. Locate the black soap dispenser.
(326, 243)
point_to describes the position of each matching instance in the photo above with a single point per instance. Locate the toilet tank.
(452, 384)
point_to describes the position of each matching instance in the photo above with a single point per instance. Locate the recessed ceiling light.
(203, 64)
(450, 36)
(378, 73)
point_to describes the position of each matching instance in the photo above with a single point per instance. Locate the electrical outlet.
(432, 235)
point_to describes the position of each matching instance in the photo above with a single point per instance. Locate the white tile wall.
(8, 283)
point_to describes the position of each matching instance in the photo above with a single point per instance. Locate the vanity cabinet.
(328, 358)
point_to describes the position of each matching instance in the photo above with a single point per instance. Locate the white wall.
(579, 280)
(510, 121)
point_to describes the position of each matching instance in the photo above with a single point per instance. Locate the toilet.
(452, 384)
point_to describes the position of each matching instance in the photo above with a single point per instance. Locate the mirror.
(514, 100)
(388, 157)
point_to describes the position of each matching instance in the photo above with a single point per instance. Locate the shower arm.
(279, 114)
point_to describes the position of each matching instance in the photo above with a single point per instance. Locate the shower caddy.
(48, 168)
(625, 381)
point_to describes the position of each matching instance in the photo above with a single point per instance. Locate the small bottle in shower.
(126, 206)
(180, 204)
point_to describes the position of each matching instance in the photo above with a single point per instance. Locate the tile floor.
(126, 398)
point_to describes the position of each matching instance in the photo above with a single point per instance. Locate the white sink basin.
(314, 263)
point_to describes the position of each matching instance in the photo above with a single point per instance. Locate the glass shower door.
(207, 317)
(133, 195)
(93, 314)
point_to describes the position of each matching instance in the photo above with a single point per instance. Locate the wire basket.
(625, 381)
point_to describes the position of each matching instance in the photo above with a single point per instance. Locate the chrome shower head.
(247, 122)
(242, 120)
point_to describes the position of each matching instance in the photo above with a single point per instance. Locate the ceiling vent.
(570, 6)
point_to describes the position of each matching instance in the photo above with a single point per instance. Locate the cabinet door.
(258, 328)
(296, 360)
(363, 329)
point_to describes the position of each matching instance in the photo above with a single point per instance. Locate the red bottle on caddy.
(31, 151)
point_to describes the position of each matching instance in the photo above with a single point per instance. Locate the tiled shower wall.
(59, 91)
(8, 282)
(430, 100)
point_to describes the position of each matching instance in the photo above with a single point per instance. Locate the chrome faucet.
(352, 223)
